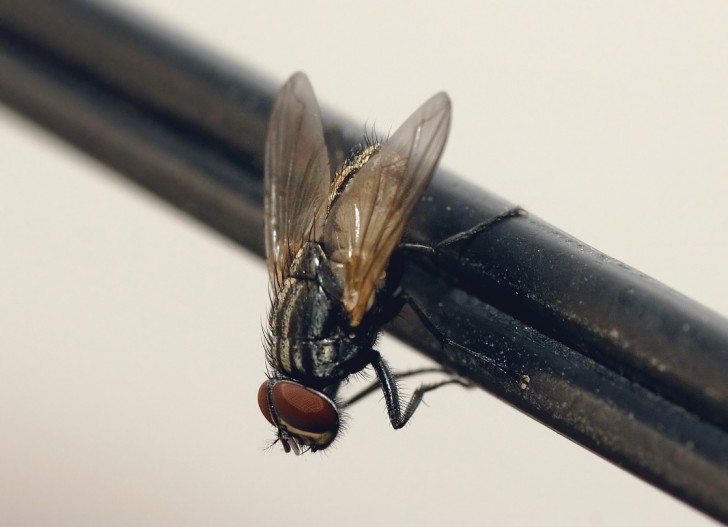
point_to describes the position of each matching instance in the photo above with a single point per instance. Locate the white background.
(130, 349)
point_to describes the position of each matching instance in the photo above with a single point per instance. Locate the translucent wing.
(297, 175)
(368, 216)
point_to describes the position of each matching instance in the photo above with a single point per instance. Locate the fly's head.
(306, 419)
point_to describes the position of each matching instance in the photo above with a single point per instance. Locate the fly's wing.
(297, 175)
(367, 218)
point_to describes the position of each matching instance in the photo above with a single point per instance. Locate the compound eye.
(263, 402)
(303, 409)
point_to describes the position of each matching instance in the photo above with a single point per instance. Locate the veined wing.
(367, 217)
(297, 175)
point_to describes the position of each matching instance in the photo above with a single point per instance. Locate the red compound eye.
(304, 417)
(303, 408)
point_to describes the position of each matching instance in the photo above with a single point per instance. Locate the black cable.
(606, 356)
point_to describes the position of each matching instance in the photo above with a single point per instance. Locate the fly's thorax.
(307, 304)
(321, 361)
(302, 309)
(302, 358)
(310, 335)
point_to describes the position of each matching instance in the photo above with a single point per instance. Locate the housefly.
(329, 239)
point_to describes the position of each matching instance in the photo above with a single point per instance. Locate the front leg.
(388, 383)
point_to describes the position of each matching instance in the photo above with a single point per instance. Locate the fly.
(329, 239)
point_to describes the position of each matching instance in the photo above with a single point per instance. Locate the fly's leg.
(402, 298)
(445, 341)
(388, 382)
(397, 376)
(386, 379)
(464, 235)
(396, 304)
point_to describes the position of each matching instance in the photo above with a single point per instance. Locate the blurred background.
(130, 349)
